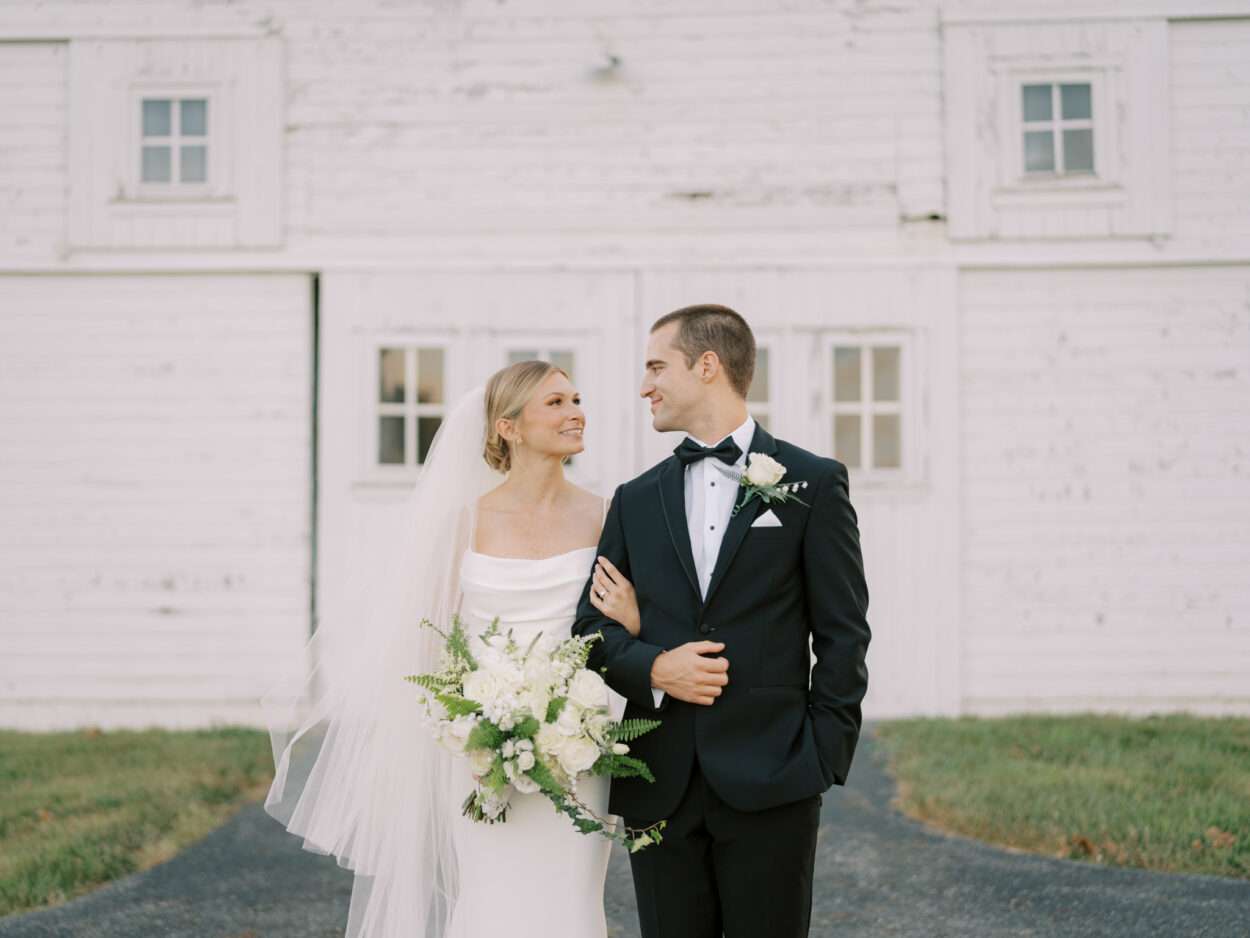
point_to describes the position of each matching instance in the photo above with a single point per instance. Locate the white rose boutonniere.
(762, 480)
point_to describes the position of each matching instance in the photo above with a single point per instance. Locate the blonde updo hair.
(507, 393)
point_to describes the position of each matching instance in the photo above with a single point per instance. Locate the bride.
(492, 528)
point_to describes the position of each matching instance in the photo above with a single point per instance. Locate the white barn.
(997, 256)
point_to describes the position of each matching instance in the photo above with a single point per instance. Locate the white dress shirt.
(710, 491)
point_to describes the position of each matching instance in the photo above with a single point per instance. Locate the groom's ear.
(708, 366)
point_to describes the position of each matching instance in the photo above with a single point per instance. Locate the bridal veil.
(357, 774)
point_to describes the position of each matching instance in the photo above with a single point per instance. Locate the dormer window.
(174, 149)
(1058, 126)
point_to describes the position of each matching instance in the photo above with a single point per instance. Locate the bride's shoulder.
(492, 500)
(586, 499)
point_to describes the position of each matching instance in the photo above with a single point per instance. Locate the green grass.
(80, 808)
(1165, 793)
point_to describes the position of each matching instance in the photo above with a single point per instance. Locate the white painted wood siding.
(1210, 66)
(33, 109)
(1106, 489)
(154, 495)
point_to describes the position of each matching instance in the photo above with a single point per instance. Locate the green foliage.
(626, 730)
(485, 735)
(618, 766)
(526, 728)
(496, 778)
(457, 648)
(458, 706)
(554, 708)
(545, 779)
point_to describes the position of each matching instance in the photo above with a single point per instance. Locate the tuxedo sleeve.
(624, 661)
(837, 602)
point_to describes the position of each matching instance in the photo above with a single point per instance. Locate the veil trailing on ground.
(357, 774)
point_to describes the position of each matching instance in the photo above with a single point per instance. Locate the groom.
(752, 733)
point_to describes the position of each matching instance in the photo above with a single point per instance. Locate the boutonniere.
(763, 480)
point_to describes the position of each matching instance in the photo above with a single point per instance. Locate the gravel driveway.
(878, 874)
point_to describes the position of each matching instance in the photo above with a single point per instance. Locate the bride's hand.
(613, 595)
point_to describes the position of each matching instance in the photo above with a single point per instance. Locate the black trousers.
(723, 872)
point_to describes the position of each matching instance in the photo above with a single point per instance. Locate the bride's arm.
(625, 660)
(613, 595)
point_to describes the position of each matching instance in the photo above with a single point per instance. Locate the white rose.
(549, 739)
(525, 761)
(578, 755)
(764, 470)
(536, 700)
(480, 760)
(482, 686)
(587, 689)
(456, 733)
(570, 720)
(525, 785)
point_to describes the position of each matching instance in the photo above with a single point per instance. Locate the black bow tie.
(726, 451)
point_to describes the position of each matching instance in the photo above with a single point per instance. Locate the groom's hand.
(686, 674)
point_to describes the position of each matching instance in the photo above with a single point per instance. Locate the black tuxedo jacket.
(783, 729)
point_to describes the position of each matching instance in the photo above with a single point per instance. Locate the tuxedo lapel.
(673, 507)
(739, 524)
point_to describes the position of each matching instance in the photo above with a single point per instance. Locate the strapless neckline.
(575, 550)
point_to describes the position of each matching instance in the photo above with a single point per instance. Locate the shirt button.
(713, 527)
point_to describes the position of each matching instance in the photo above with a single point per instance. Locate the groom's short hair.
(708, 327)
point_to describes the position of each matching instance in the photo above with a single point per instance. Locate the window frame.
(409, 410)
(1057, 125)
(907, 407)
(1015, 186)
(218, 169)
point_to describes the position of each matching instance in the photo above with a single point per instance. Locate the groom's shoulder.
(646, 478)
(804, 465)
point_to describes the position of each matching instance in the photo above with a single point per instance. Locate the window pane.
(1078, 151)
(156, 164)
(426, 428)
(846, 373)
(1074, 102)
(430, 376)
(564, 359)
(193, 121)
(1039, 151)
(759, 382)
(886, 442)
(522, 355)
(156, 118)
(391, 441)
(391, 375)
(1037, 103)
(846, 435)
(194, 164)
(885, 373)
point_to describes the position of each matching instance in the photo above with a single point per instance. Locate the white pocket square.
(767, 520)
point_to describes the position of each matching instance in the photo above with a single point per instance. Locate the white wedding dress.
(534, 875)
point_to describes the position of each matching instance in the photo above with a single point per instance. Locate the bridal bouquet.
(531, 720)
